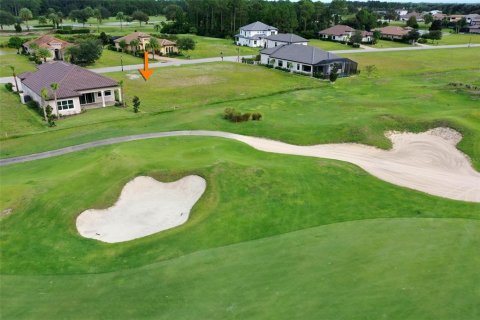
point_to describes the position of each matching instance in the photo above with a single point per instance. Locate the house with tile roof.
(393, 32)
(166, 46)
(307, 60)
(254, 34)
(56, 46)
(79, 88)
(343, 33)
(281, 39)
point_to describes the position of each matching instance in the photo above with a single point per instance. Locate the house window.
(255, 42)
(65, 105)
(298, 66)
(99, 93)
(307, 68)
(108, 93)
(280, 63)
(276, 44)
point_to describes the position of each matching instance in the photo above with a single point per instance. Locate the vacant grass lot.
(329, 45)
(452, 38)
(111, 58)
(388, 44)
(207, 47)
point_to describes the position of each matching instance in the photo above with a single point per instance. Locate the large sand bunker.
(146, 206)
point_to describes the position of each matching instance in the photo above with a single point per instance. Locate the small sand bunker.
(133, 76)
(146, 206)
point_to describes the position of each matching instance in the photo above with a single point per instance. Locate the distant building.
(343, 33)
(254, 34)
(393, 33)
(78, 87)
(281, 39)
(472, 17)
(54, 45)
(306, 59)
(418, 16)
(166, 46)
(401, 12)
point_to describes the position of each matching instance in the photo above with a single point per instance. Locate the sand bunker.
(427, 161)
(146, 206)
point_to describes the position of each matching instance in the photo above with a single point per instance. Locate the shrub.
(18, 28)
(356, 45)
(235, 116)
(44, 26)
(256, 116)
(73, 31)
(32, 104)
(422, 40)
(136, 104)
(9, 86)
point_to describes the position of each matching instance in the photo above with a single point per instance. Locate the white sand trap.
(427, 161)
(146, 206)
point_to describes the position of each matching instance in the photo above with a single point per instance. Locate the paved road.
(235, 58)
(407, 164)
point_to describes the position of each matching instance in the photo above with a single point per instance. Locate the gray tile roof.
(70, 77)
(286, 37)
(300, 53)
(257, 26)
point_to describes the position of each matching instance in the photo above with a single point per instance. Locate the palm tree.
(97, 13)
(55, 86)
(123, 45)
(44, 94)
(26, 15)
(154, 45)
(43, 53)
(120, 16)
(134, 45)
(15, 77)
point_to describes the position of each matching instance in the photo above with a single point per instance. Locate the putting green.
(371, 269)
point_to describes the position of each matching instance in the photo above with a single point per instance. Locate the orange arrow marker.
(146, 73)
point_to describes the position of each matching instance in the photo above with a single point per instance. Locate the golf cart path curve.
(427, 162)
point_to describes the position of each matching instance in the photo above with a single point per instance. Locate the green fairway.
(375, 268)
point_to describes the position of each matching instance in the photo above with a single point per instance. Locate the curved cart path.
(428, 161)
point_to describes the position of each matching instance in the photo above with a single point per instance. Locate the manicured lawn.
(329, 45)
(207, 47)
(11, 58)
(452, 38)
(388, 44)
(15, 118)
(386, 268)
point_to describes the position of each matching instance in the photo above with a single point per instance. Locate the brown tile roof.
(46, 41)
(70, 77)
(165, 42)
(337, 30)
(133, 36)
(394, 31)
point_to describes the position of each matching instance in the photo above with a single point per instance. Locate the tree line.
(222, 18)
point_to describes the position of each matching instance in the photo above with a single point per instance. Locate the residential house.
(418, 16)
(307, 60)
(281, 39)
(401, 12)
(393, 32)
(343, 33)
(474, 26)
(455, 17)
(142, 37)
(472, 17)
(78, 88)
(254, 34)
(166, 46)
(56, 46)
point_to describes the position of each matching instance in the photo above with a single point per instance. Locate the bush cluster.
(236, 116)
(9, 86)
(73, 31)
(283, 69)
(464, 85)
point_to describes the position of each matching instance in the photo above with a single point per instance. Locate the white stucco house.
(281, 39)
(306, 59)
(254, 34)
(79, 88)
(343, 33)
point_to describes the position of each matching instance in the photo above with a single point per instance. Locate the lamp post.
(221, 55)
(238, 54)
(121, 61)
